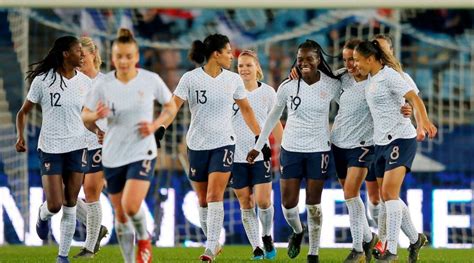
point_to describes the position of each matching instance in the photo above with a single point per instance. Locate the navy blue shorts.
(58, 163)
(400, 152)
(356, 157)
(94, 161)
(117, 177)
(248, 175)
(371, 173)
(202, 163)
(315, 165)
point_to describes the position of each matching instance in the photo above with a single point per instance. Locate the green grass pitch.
(21, 254)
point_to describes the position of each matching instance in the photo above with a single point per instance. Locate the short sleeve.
(182, 90)
(240, 89)
(411, 82)
(161, 92)
(398, 84)
(35, 94)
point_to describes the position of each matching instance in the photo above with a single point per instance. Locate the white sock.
(407, 225)
(367, 233)
(139, 223)
(67, 229)
(292, 217)
(266, 218)
(215, 220)
(126, 240)
(394, 221)
(81, 211)
(250, 222)
(315, 221)
(203, 219)
(94, 219)
(355, 222)
(45, 214)
(382, 222)
(374, 211)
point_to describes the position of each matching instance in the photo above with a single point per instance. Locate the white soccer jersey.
(91, 138)
(210, 102)
(307, 125)
(261, 100)
(384, 95)
(353, 126)
(129, 104)
(62, 129)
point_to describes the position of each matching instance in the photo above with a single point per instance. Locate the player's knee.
(54, 207)
(350, 193)
(264, 204)
(214, 197)
(91, 193)
(288, 204)
(374, 199)
(120, 217)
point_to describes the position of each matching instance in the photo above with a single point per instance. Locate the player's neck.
(126, 77)
(212, 69)
(251, 85)
(313, 78)
(67, 71)
(360, 77)
(376, 69)
(91, 73)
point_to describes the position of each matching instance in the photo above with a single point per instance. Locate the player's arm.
(278, 133)
(248, 115)
(20, 125)
(423, 123)
(89, 117)
(165, 118)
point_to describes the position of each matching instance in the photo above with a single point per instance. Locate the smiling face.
(363, 64)
(307, 61)
(125, 57)
(349, 63)
(75, 55)
(224, 56)
(247, 68)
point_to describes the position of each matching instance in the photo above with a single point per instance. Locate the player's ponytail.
(202, 50)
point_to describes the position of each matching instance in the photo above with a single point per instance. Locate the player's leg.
(242, 184)
(116, 178)
(262, 181)
(314, 189)
(139, 175)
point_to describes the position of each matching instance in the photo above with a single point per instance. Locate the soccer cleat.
(369, 247)
(42, 227)
(258, 254)
(270, 251)
(414, 249)
(387, 257)
(294, 243)
(355, 257)
(84, 253)
(312, 259)
(207, 256)
(144, 252)
(62, 259)
(102, 233)
(379, 249)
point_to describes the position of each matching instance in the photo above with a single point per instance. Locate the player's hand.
(145, 128)
(20, 145)
(425, 127)
(293, 73)
(267, 153)
(159, 134)
(252, 155)
(406, 110)
(102, 110)
(100, 136)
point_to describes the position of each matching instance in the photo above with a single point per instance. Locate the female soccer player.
(126, 96)
(305, 152)
(90, 212)
(211, 91)
(252, 183)
(60, 90)
(394, 136)
(353, 150)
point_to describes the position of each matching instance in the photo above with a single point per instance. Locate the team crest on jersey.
(323, 94)
(47, 166)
